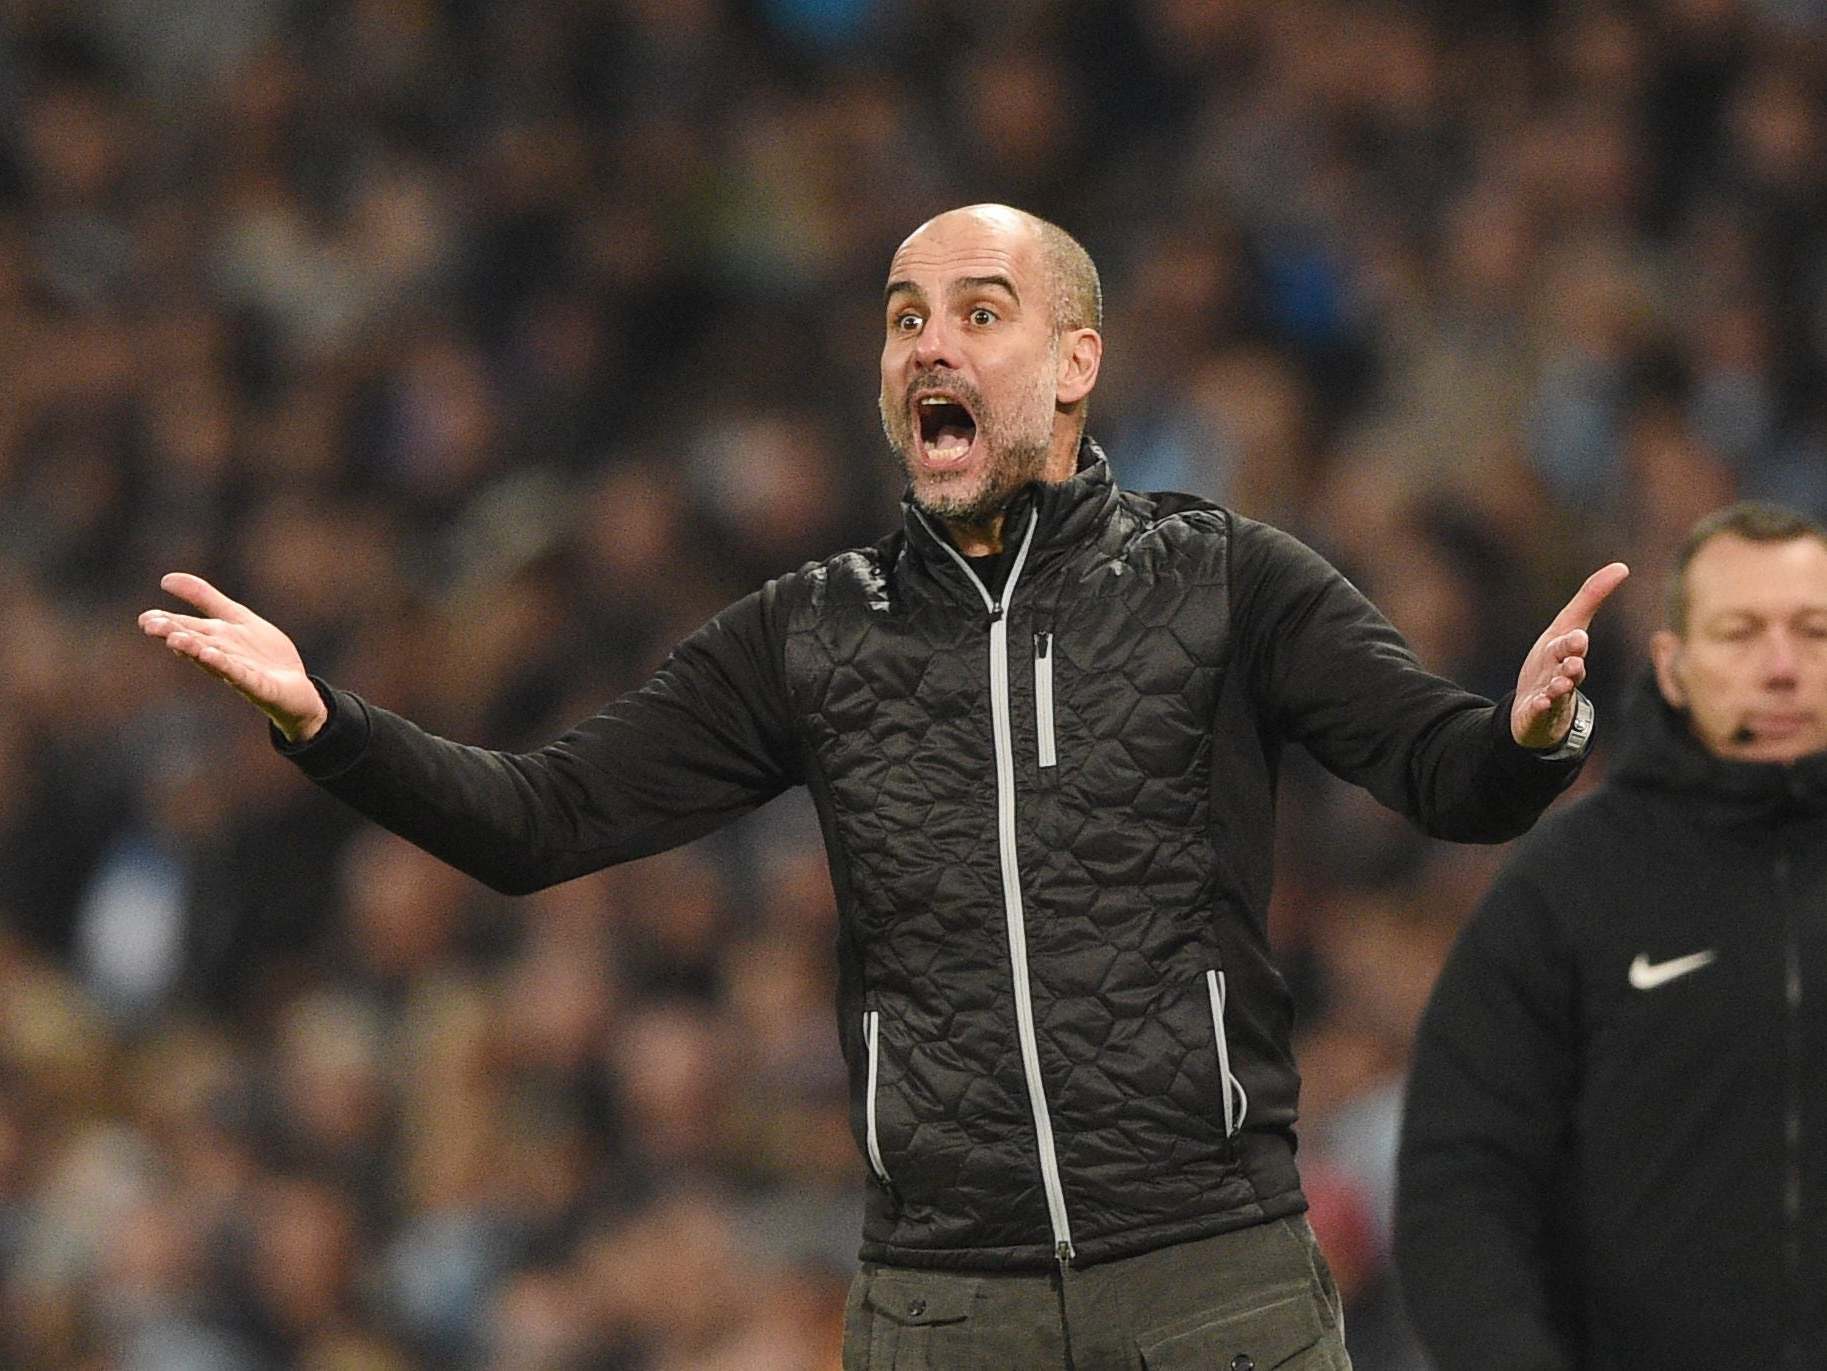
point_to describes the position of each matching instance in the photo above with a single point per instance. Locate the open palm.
(235, 645)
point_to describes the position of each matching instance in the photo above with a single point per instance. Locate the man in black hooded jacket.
(1615, 1143)
(1041, 724)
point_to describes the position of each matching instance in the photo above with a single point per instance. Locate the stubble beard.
(1016, 450)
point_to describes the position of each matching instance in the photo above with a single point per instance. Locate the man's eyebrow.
(964, 284)
(996, 279)
(895, 288)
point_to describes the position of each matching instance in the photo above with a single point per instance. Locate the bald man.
(1041, 722)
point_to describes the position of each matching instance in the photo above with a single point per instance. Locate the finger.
(1543, 701)
(1567, 675)
(160, 623)
(1572, 644)
(236, 671)
(183, 643)
(1544, 713)
(196, 647)
(1587, 599)
(199, 592)
(224, 666)
(1535, 709)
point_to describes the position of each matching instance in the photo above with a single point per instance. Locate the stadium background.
(489, 345)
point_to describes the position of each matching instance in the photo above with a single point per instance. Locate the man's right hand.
(234, 644)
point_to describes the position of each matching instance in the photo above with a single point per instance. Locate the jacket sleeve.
(1327, 670)
(1480, 1169)
(707, 739)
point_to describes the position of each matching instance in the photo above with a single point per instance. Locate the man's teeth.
(949, 433)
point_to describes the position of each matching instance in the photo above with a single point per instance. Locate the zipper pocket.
(1234, 1108)
(1043, 697)
(872, 1028)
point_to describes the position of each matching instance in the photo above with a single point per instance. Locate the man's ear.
(1081, 352)
(1665, 651)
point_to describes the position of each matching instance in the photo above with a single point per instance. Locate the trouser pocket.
(909, 1321)
(1280, 1327)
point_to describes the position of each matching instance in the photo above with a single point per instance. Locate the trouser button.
(917, 1308)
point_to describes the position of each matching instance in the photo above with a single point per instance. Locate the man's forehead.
(1730, 572)
(974, 242)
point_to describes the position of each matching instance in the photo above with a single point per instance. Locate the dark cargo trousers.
(1252, 1300)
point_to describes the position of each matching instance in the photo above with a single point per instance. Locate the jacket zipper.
(1043, 697)
(1011, 878)
(1234, 1109)
(872, 1029)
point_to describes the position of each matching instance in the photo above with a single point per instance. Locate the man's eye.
(906, 323)
(982, 317)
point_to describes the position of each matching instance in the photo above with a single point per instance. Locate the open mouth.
(947, 429)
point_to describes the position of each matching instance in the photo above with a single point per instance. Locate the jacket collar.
(1660, 752)
(1068, 513)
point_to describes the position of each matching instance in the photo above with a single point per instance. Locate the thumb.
(1585, 603)
(196, 591)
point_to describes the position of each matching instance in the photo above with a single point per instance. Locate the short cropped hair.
(1756, 521)
(1078, 294)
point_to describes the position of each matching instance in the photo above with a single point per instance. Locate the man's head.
(1745, 652)
(991, 348)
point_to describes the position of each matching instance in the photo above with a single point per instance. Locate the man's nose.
(936, 345)
(1779, 658)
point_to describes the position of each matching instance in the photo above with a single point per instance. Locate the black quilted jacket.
(1048, 815)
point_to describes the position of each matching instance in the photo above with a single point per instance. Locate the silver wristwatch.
(1579, 736)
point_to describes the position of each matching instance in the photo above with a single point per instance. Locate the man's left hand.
(1555, 666)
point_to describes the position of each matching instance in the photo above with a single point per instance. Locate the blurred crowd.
(488, 346)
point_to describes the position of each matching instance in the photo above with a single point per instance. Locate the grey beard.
(1012, 465)
(1011, 468)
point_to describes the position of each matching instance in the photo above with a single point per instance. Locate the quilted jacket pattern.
(1049, 821)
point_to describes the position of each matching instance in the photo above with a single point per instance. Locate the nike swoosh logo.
(1647, 975)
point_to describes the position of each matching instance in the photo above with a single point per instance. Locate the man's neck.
(978, 538)
(983, 537)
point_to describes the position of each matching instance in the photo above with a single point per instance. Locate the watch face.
(1582, 722)
(1578, 732)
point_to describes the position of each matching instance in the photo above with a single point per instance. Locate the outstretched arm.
(237, 646)
(1542, 710)
(705, 740)
(1325, 669)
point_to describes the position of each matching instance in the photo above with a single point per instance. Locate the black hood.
(1660, 752)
